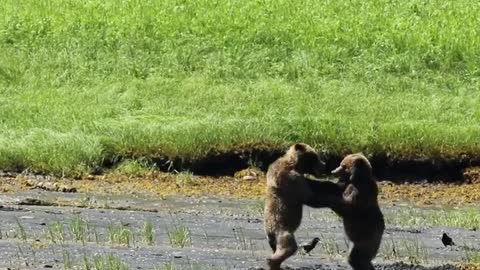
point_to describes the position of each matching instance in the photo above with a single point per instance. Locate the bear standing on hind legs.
(287, 191)
(362, 218)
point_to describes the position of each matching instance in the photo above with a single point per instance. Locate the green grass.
(109, 262)
(179, 236)
(56, 232)
(67, 260)
(463, 217)
(120, 235)
(79, 229)
(411, 216)
(410, 250)
(185, 179)
(329, 246)
(133, 168)
(20, 231)
(86, 81)
(472, 254)
(189, 266)
(148, 233)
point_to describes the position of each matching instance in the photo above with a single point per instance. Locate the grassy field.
(82, 81)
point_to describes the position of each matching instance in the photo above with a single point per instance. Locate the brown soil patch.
(246, 184)
(469, 266)
(429, 194)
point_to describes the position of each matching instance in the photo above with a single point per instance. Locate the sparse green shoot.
(120, 234)
(179, 236)
(329, 246)
(109, 262)
(411, 250)
(78, 229)
(407, 216)
(56, 232)
(67, 260)
(134, 168)
(20, 232)
(472, 254)
(184, 179)
(148, 233)
(243, 243)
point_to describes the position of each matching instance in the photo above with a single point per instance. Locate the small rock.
(249, 174)
(249, 178)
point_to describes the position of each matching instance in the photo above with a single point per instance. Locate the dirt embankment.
(248, 183)
(385, 166)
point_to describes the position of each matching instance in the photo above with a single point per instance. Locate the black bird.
(310, 245)
(446, 240)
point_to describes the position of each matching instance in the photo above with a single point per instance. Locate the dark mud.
(384, 165)
(227, 163)
(222, 233)
(396, 266)
(405, 266)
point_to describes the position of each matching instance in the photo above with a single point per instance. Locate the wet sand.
(222, 233)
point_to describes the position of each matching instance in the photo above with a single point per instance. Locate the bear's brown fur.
(287, 191)
(358, 206)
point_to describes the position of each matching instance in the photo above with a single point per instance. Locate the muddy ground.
(216, 233)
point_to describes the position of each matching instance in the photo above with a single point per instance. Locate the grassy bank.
(84, 81)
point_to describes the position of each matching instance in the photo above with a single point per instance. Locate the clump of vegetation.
(109, 262)
(472, 254)
(257, 208)
(67, 260)
(464, 217)
(148, 233)
(92, 232)
(120, 234)
(190, 266)
(20, 231)
(411, 250)
(389, 249)
(78, 228)
(242, 241)
(56, 232)
(415, 251)
(133, 168)
(185, 179)
(179, 236)
(329, 246)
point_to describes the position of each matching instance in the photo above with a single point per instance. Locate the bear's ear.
(300, 147)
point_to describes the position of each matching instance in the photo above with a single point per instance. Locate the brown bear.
(287, 191)
(358, 206)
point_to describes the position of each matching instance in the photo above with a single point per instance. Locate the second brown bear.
(287, 191)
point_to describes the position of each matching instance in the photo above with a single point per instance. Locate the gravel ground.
(219, 233)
